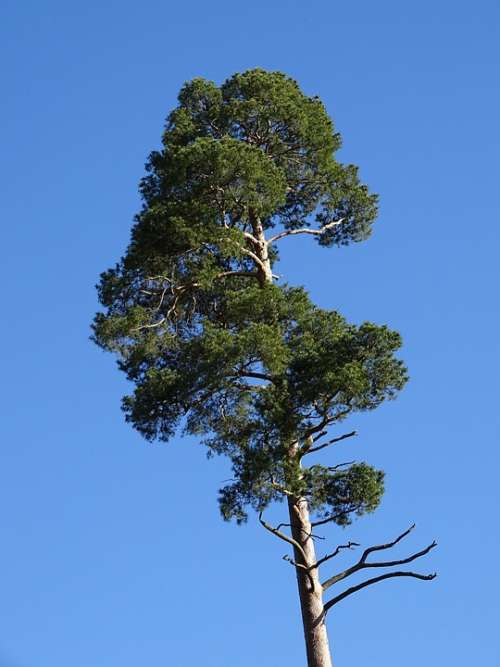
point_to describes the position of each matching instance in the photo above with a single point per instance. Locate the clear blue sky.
(113, 553)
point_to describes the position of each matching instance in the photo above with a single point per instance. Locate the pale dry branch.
(251, 237)
(255, 257)
(304, 230)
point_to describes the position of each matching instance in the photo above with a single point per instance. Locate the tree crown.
(197, 320)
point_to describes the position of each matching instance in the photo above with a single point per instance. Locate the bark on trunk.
(310, 592)
(261, 250)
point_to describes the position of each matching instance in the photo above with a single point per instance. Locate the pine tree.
(217, 344)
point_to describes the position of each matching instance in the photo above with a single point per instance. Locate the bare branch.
(255, 257)
(404, 561)
(150, 326)
(305, 230)
(310, 450)
(389, 545)
(319, 436)
(369, 582)
(326, 419)
(307, 570)
(284, 537)
(349, 545)
(295, 564)
(340, 465)
(251, 238)
(362, 564)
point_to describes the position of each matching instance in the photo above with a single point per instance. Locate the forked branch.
(362, 564)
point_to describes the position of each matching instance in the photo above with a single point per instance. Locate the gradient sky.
(113, 552)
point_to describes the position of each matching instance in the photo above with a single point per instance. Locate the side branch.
(310, 450)
(374, 580)
(255, 257)
(403, 561)
(389, 545)
(305, 230)
(349, 545)
(283, 536)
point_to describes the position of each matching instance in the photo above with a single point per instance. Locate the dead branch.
(363, 565)
(340, 465)
(310, 450)
(307, 570)
(374, 580)
(389, 545)
(295, 564)
(305, 230)
(319, 436)
(311, 535)
(349, 545)
(284, 537)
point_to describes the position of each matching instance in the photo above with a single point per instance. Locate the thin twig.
(349, 545)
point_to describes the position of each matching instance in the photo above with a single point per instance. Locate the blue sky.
(113, 551)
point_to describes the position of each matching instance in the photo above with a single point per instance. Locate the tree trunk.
(310, 592)
(261, 250)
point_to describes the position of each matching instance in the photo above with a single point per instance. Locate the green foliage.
(253, 369)
(356, 489)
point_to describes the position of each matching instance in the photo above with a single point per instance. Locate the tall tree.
(215, 342)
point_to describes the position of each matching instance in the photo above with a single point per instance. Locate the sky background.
(113, 552)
